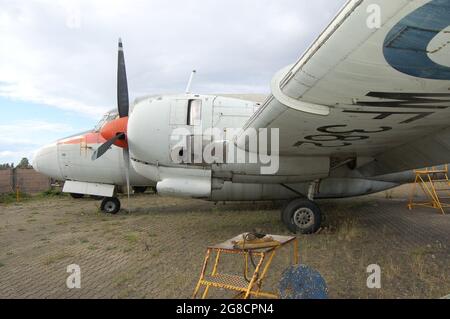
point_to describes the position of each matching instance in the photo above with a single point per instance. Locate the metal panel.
(179, 112)
(89, 188)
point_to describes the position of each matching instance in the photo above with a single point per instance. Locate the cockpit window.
(108, 117)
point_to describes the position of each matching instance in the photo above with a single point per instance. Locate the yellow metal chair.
(248, 285)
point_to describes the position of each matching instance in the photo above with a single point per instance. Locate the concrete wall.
(6, 181)
(28, 181)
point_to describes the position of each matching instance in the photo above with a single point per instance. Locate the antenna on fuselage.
(191, 78)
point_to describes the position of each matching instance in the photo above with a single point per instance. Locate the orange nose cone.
(114, 128)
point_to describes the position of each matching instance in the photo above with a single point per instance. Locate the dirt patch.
(157, 251)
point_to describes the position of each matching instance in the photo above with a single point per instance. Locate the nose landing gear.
(110, 205)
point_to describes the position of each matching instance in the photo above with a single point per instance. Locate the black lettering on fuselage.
(411, 101)
(408, 100)
(394, 102)
(381, 115)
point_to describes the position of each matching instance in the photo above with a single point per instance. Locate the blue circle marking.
(406, 45)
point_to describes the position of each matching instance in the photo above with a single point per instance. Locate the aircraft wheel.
(76, 196)
(110, 205)
(302, 216)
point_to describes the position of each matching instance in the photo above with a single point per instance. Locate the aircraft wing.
(374, 89)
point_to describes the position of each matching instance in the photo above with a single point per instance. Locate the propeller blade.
(126, 158)
(123, 103)
(99, 152)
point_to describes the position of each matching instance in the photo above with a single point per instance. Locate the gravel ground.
(157, 251)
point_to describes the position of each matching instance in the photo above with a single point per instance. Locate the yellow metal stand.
(435, 184)
(245, 285)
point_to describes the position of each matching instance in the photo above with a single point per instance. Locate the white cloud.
(63, 53)
(23, 138)
(8, 141)
(30, 127)
(7, 154)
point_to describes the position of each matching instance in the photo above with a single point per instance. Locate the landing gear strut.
(110, 205)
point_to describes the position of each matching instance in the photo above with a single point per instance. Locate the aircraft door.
(65, 159)
(190, 118)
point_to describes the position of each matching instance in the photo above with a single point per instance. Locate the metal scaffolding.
(435, 185)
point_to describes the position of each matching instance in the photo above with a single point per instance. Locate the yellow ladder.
(435, 185)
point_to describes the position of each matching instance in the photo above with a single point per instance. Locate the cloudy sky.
(58, 57)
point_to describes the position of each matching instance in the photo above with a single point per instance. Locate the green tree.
(24, 163)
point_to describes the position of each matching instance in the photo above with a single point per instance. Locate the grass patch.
(10, 198)
(55, 258)
(421, 251)
(124, 278)
(51, 193)
(2, 264)
(132, 238)
(157, 253)
(348, 230)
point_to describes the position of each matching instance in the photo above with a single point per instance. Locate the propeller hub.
(116, 128)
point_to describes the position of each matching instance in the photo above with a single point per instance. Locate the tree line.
(24, 163)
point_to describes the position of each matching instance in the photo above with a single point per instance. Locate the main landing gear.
(110, 205)
(303, 216)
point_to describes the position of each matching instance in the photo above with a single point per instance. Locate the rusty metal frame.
(426, 180)
(253, 288)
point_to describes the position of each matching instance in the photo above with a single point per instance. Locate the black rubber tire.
(110, 205)
(283, 208)
(139, 189)
(76, 196)
(302, 211)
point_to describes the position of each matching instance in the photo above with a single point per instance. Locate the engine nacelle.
(150, 138)
(148, 131)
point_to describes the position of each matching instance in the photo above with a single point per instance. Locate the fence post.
(13, 179)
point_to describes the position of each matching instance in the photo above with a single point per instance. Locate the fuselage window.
(194, 116)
